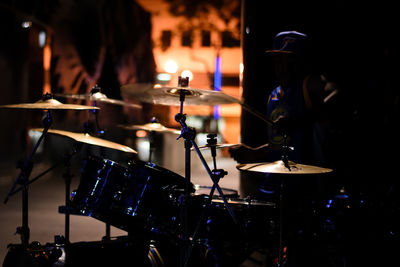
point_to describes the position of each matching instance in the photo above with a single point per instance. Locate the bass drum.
(133, 198)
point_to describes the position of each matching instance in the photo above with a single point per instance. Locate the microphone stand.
(23, 180)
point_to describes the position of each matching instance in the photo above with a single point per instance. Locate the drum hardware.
(217, 175)
(23, 180)
(183, 91)
(67, 181)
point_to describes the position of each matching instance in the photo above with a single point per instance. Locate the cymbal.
(231, 145)
(48, 104)
(170, 95)
(88, 139)
(98, 96)
(244, 202)
(216, 146)
(150, 127)
(279, 167)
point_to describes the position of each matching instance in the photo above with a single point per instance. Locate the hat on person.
(289, 42)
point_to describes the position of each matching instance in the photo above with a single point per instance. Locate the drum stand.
(217, 174)
(188, 135)
(285, 160)
(23, 181)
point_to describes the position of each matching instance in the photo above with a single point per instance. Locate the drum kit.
(159, 209)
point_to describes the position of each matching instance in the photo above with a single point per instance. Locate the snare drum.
(139, 195)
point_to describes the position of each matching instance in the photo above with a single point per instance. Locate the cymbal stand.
(189, 134)
(99, 133)
(285, 159)
(67, 179)
(95, 112)
(218, 174)
(23, 180)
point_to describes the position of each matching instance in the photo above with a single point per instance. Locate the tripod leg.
(215, 183)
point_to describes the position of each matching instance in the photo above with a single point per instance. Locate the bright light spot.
(141, 133)
(187, 73)
(26, 24)
(42, 38)
(163, 77)
(143, 147)
(35, 136)
(170, 66)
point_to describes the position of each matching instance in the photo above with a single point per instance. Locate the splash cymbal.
(279, 167)
(150, 127)
(88, 139)
(170, 95)
(49, 104)
(98, 96)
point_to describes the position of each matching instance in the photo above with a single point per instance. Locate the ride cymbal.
(88, 139)
(48, 104)
(170, 95)
(279, 167)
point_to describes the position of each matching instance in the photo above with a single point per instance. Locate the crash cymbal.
(88, 139)
(151, 127)
(170, 95)
(98, 96)
(279, 167)
(48, 104)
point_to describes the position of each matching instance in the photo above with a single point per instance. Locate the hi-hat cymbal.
(244, 202)
(48, 104)
(88, 139)
(150, 127)
(279, 167)
(231, 145)
(98, 96)
(170, 95)
(216, 146)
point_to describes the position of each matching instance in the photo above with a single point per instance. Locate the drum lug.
(117, 196)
